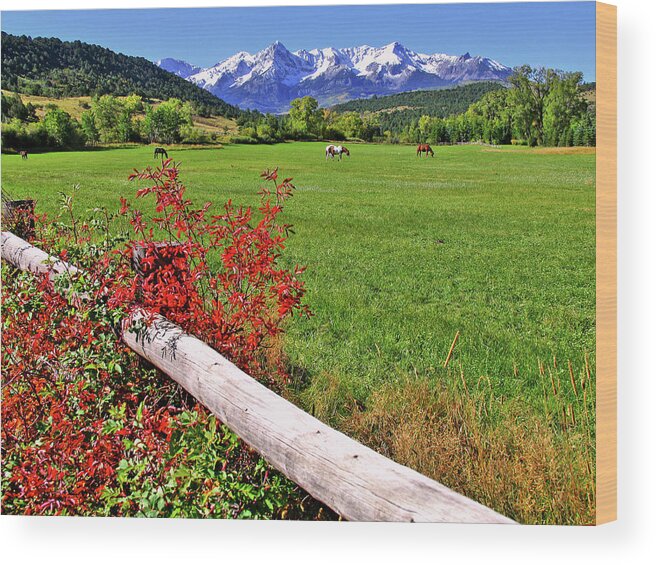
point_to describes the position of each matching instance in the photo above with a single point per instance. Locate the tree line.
(538, 107)
(108, 119)
(307, 121)
(542, 107)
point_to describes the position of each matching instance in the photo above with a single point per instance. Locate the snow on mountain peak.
(178, 67)
(269, 79)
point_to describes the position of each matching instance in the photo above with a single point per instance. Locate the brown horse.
(160, 151)
(23, 154)
(425, 148)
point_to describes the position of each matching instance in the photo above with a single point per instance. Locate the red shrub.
(86, 429)
(217, 276)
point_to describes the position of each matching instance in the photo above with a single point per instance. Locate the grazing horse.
(23, 154)
(339, 150)
(160, 151)
(425, 148)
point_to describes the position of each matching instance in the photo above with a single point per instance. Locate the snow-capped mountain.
(270, 79)
(177, 67)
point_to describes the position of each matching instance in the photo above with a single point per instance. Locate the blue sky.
(557, 34)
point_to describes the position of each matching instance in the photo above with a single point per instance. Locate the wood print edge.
(606, 263)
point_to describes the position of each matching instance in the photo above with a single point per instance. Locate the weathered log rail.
(352, 479)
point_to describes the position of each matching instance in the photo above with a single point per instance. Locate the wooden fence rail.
(353, 480)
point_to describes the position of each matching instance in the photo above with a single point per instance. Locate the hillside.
(75, 105)
(396, 111)
(441, 103)
(55, 68)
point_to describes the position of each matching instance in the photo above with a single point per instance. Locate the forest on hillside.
(51, 67)
(398, 110)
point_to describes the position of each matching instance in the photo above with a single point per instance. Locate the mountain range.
(270, 79)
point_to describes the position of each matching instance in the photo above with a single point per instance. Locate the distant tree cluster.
(306, 121)
(56, 129)
(541, 107)
(545, 105)
(12, 107)
(443, 102)
(108, 119)
(352, 125)
(55, 68)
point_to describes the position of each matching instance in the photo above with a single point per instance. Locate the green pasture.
(402, 252)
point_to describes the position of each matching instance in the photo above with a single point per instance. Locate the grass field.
(401, 252)
(496, 243)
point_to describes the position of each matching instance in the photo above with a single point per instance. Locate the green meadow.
(401, 253)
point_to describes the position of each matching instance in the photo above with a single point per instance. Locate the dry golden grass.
(543, 150)
(513, 461)
(565, 150)
(74, 106)
(216, 124)
(535, 469)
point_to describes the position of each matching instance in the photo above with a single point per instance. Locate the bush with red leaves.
(86, 428)
(216, 275)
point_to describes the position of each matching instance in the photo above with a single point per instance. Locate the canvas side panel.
(606, 185)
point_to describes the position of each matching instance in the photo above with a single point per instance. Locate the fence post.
(152, 276)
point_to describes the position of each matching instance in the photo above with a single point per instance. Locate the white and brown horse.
(425, 148)
(339, 150)
(23, 154)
